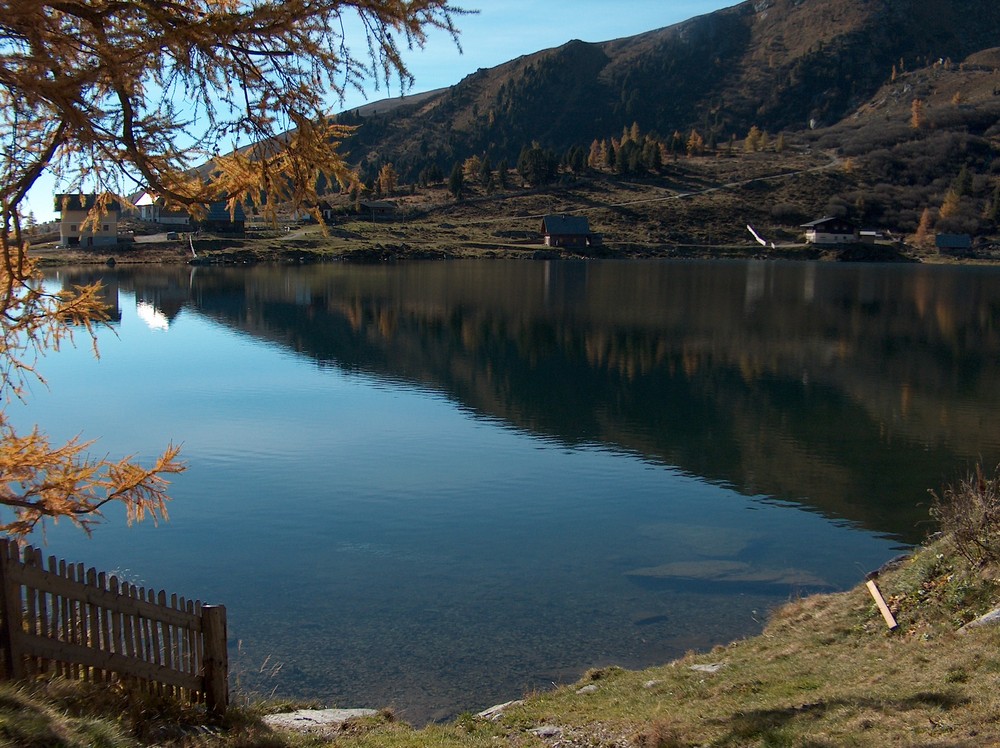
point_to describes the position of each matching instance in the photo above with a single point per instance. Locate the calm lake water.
(435, 486)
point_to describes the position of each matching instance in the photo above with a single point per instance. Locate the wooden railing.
(88, 625)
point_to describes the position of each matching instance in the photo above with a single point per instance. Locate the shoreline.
(254, 251)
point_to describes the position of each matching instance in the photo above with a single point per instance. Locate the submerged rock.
(728, 572)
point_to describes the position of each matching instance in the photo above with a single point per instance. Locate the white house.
(830, 231)
(151, 208)
(79, 228)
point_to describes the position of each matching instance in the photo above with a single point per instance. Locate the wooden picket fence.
(88, 625)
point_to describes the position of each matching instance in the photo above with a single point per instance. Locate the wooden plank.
(147, 631)
(92, 626)
(216, 659)
(30, 610)
(67, 619)
(104, 623)
(154, 627)
(10, 591)
(78, 591)
(93, 614)
(116, 620)
(128, 622)
(173, 641)
(92, 658)
(82, 622)
(190, 650)
(890, 621)
(56, 626)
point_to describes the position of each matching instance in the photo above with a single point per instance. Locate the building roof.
(84, 201)
(565, 225)
(823, 221)
(953, 241)
(218, 212)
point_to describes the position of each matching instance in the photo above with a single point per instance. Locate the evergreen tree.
(962, 185)
(485, 175)
(456, 181)
(502, 168)
(536, 165)
(651, 157)
(992, 212)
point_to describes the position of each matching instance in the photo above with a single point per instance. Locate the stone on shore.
(322, 722)
(494, 712)
(990, 619)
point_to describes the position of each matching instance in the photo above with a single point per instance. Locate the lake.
(436, 486)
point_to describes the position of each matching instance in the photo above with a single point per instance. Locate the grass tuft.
(969, 514)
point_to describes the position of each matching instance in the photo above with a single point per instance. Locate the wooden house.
(953, 243)
(79, 228)
(378, 210)
(831, 231)
(567, 231)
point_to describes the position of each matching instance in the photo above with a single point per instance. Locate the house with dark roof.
(383, 210)
(831, 231)
(567, 231)
(953, 243)
(218, 219)
(82, 224)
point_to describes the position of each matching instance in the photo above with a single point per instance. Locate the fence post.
(10, 609)
(216, 663)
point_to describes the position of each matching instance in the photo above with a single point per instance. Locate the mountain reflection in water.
(847, 391)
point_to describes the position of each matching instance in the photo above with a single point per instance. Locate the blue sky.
(501, 30)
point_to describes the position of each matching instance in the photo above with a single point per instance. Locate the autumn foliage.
(112, 96)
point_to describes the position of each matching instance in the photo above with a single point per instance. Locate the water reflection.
(850, 390)
(438, 485)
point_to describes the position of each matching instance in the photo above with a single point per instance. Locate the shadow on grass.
(789, 726)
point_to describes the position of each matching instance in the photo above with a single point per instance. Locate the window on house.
(72, 227)
(107, 227)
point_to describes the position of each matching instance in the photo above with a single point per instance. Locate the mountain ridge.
(778, 64)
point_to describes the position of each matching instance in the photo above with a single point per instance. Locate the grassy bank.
(826, 671)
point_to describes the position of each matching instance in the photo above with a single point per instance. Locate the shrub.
(969, 514)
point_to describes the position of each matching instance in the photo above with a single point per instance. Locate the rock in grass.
(494, 712)
(712, 667)
(547, 731)
(316, 721)
(990, 619)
